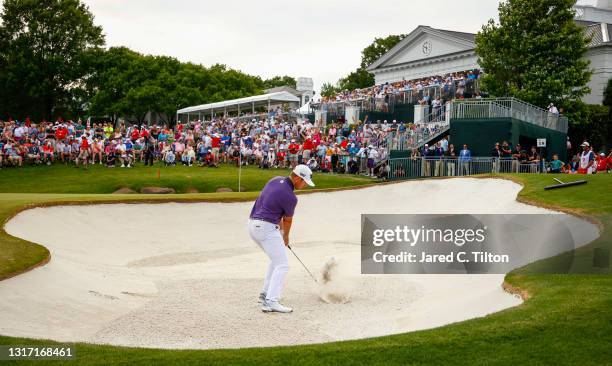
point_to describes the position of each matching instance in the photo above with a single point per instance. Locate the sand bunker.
(188, 276)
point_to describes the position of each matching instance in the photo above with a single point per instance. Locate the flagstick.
(239, 165)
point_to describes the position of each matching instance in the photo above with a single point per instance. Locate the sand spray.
(334, 287)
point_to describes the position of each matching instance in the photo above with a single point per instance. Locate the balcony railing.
(387, 102)
(508, 107)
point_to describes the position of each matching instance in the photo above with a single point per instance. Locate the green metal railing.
(506, 108)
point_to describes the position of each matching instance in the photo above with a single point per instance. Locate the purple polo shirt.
(275, 201)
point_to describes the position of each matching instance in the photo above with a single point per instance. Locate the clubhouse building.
(428, 51)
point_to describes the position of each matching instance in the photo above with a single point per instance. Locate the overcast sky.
(318, 39)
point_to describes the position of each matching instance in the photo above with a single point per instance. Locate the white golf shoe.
(275, 307)
(262, 297)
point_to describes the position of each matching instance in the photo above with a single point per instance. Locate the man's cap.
(585, 144)
(305, 173)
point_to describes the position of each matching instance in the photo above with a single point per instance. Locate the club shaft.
(303, 265)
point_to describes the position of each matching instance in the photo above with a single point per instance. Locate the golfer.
(269, 226)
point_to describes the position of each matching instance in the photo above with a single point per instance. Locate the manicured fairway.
(567, 319)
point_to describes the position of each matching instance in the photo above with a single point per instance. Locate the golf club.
(303, 265)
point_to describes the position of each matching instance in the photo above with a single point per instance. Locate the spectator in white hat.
(587, 159)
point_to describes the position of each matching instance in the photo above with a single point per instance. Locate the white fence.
(423, 167)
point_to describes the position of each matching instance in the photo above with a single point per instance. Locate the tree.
(535, 52)
(328, 90)
(279, 81)
(131, 85)
(358, 79)
(590, 122)
(116, 70)
(378, 48)
(361, 78)
(46, 53)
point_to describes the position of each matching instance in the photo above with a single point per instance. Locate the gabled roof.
(601, 34)
(471, 37)
(466, 39)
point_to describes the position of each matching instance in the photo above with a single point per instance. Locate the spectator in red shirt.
(316, 138)
(135, 135)
(307, 149)
(216, 145)
(83, 152)
(344, 144)
(294, 148)
(48, 152)
(280, 158)
(602, 163)
(61, 133)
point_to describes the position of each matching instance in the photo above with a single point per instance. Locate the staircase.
(432, 126)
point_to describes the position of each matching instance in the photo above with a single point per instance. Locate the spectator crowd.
(460, 85)
(276, 140)
(268, 143)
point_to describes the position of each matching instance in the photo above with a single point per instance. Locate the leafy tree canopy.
(53, 63)
(535, 52)
(361, 78)
(328, 90)
(279, 81)
(46, 52)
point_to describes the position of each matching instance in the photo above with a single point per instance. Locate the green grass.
(98, 179)
(566, 320)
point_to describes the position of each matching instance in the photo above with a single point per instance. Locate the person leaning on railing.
(533, 158)
(506, 156)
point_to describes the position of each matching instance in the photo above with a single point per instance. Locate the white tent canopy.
(247, 103)
(305, 109)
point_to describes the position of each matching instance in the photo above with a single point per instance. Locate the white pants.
(269, 238)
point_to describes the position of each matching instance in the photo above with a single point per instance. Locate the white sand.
(187, 275)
